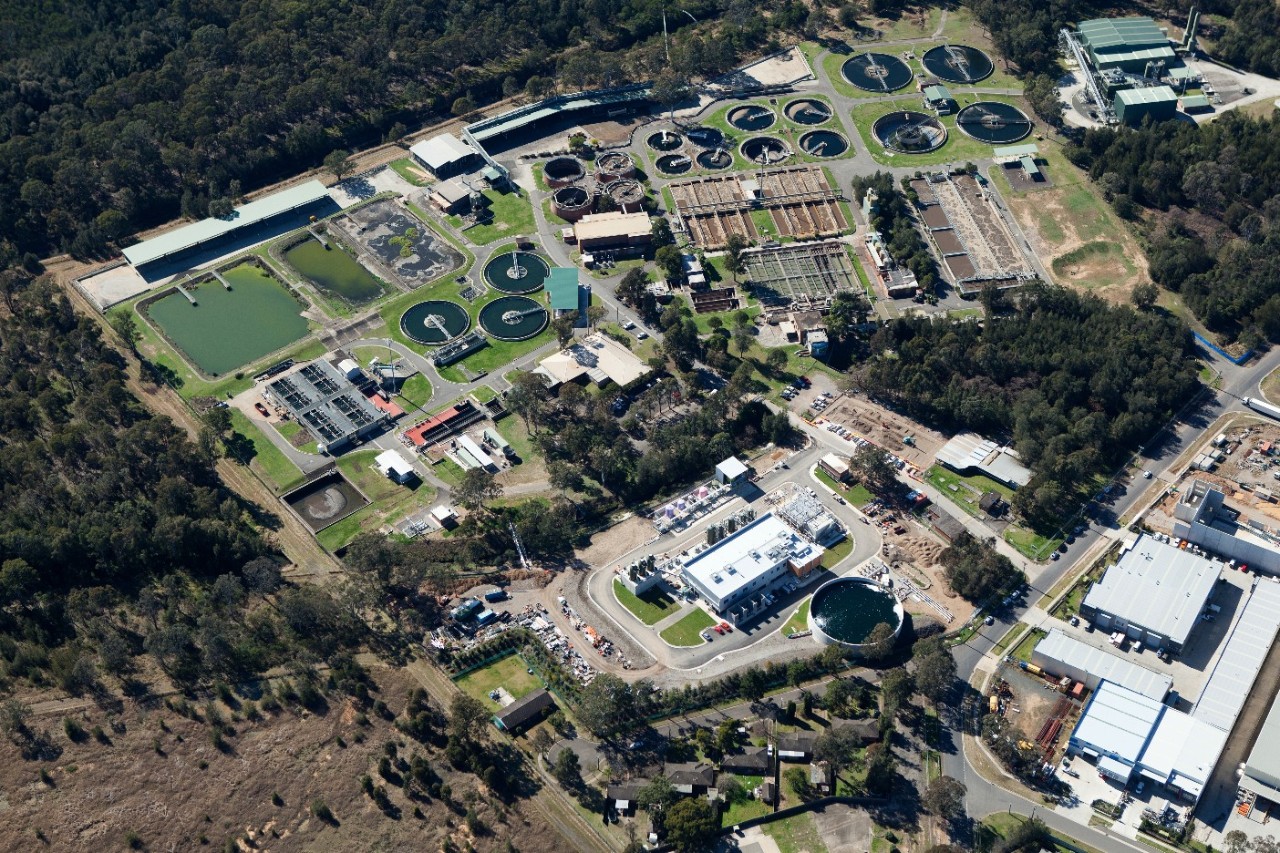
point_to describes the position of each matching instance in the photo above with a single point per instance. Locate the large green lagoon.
(335, 272)
(227, 329)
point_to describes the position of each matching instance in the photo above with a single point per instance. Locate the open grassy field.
(1024, 649)
(273, 466)
(965, 491)
(406, 168)
(797, 834)
(833, 555)
(686, 631)
(1030, 543)
(651, 607)
(510, 673)
(1074, 231)
(512, 215)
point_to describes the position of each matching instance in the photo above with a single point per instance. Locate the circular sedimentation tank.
(628, 196)
(717, 159)
(516, 272)
(614, 166)
(994, 122)
(513, 318)
(846, 610)
(706, 137)
(876, 72)
(767, 148)
(808, 111)
(434, 322)
(909, 132)
(571, 203)
(561, 171)
(664, 140)
(823, 143)
(752, 117)
(958, 63)
(673, 164)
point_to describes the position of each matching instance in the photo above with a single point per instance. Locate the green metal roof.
(1107, 34)
(491, 174)
(1195, 102)
(1027, 149)
(1113, 58)
(937, 93)
(562, 287)
(1029, 165)
(245, 215)
(1150, 95)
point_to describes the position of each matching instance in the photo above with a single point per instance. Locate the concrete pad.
(844, 827)
(753, 840)
(112, 285)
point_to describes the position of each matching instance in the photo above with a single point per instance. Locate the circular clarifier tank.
(560, 171)
(768, 149)
(513, 318)
(958, 63)
(752, 117)
(434, 322)
(847, 610)
(994, 122)
(571, 203)
(876, 72)
(706, 137)
(664, 140)
(717, 159)
(909, 132)
(516, 272)
(808, 111)
(673, 164)
(823, 143)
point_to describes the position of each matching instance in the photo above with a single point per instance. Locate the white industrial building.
(968, 452)
(471, 455)
(807, 515)
(1202, 517)
(1243, 653)
(1061, 654)
(395, 466)
(743, 566)
(444, 155)
(731, 470)
(1128, 733)
(1155, 594)
(1261, 776)
(596, 357)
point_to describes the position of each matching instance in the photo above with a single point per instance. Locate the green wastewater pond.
(228, 329)
(334, 272)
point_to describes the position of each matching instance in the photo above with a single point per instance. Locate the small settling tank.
(716, 159)
(766, 149)
(958, 63)
(823, 143)
(808, 111)
(909, 132)
(673, 164)
(571, 203)
(627, 195)
(614, 166)
(562, 171)
(751, 117)
(665, 140)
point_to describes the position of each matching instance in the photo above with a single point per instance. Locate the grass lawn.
(651, 607)
(410, 171)
(510, 672)
(1070, 605)
(415, 391)
(833, 555)
(1010, 635)
(1030, 543)
(798, 834)
(999, 824)
(484, 393)
(512, 215)
(270, 463)
(857, 494)
(512, 428)
(965, 491)
(799, 620)
(550, 214)
(288, 429)
(1023, 651)
(448, 470)
(497, 354)
(745, 810)
(958, 148)
(686, 631)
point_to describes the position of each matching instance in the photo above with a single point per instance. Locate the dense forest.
(1219, 244)
(1077, 384)
(894, 220)
(116, 115)
(116, 535)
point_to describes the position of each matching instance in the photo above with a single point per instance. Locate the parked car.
(262, 410)
(727, 627)
(629, 325)
(641, 335)
(990, 620)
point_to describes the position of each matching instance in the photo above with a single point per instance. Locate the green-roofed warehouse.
(562, 290)
(1133, 105)
(1125, 43)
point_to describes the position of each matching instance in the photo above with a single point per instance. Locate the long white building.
(748, 563)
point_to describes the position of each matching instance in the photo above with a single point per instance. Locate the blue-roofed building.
(563, 291)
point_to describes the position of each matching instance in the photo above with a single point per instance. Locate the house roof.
(691, 773)
(243, 216)
(390, 461)
(868, 729)
(1195, 102)
(796, 742)
(451, 192)
(752, 758)
(523, 710)
(1015, 151)
(626, 790)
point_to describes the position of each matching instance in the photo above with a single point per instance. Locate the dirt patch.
(886, 429)
(620, 539)
(162, 778)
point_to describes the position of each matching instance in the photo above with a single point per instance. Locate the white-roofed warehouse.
(1061, 654)
(1155, 594)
